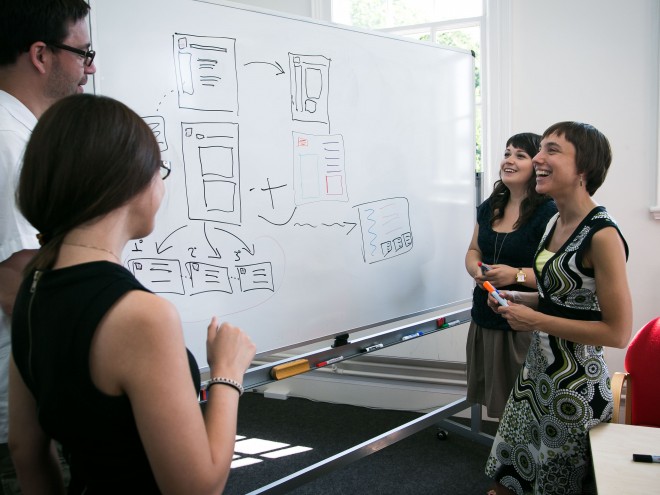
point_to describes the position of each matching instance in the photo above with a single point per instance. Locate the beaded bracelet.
(225, 381)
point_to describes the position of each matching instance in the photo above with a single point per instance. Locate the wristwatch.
(520, 276)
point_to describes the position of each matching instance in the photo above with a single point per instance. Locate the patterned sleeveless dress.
(563, 390)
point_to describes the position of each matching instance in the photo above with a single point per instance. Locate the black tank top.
(52, 331)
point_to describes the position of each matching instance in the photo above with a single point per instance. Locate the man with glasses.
(45, 55)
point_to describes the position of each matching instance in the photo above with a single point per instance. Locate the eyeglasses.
(165, 169)
(87, 55)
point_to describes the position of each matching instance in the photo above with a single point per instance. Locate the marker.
(372, 348)
(450, 323)
(646, 458)
(411, 336)
(484, 267)
(489, 287)
(329, 361)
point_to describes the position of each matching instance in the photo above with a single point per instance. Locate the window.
(445, 22)
(477, 25)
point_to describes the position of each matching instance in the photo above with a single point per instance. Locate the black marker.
(646, 458)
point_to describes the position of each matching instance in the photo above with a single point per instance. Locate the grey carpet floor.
(420, 464)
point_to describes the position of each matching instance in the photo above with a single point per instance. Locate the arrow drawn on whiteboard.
(246, 247)
(159, 247)
(276, 65)
(353, 226)
(280, 224)
(215, 251)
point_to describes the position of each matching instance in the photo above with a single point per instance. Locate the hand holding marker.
(484, 267)
(493, 291)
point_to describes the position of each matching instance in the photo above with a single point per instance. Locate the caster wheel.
(442, 434)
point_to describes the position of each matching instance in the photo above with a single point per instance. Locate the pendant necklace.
(95, 248)
(496, 253)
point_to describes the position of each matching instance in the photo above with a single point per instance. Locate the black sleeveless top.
(514, 249)
(52, 331)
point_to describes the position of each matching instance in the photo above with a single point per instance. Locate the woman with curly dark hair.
(510, 224)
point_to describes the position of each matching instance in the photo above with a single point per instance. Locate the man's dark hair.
(24, 22)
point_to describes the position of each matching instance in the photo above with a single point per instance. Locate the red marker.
(329, 361)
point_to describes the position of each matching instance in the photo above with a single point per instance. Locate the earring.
(580, 181)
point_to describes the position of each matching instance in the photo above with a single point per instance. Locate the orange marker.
(489, 287)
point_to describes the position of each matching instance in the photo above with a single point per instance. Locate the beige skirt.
(494, 359)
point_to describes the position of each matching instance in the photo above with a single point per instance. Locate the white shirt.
(16, 234)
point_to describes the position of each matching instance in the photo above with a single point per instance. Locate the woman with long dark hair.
(99, 362)
(509, 226)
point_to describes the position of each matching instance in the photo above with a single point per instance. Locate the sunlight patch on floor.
(248, 451)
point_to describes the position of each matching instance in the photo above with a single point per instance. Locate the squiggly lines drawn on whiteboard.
(258, 276)
(205, 277)
(212, 171)
(160, 275)
(329, 225)
(206, 72)
(385, 226)
(157, 125)
(309, 79)
(319, 173)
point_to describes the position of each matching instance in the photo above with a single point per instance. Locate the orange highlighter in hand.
(493, 291)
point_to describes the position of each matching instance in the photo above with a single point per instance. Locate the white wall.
(590, 60)
(597, 61)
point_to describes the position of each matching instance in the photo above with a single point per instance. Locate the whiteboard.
(322, 176)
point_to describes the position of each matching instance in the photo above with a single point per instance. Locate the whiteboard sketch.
(310, 76)
(162, 275)
(273, 219)
(386, 230)
(157, 124)
(206, 72)
(208, 278)
(211, 158)
(319, 171)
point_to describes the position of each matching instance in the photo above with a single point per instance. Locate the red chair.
(642, 378)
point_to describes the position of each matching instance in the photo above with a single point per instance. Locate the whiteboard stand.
(261, 375)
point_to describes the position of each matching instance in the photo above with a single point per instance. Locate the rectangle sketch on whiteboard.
(319, 171)
(162, 275)
(310, 76)
(206, 72)
(211, 161)
(256, 277)
(385, 226)
(157, 125)
(205, 277)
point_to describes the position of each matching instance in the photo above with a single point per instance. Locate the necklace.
(496, 254)
(93, 247)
